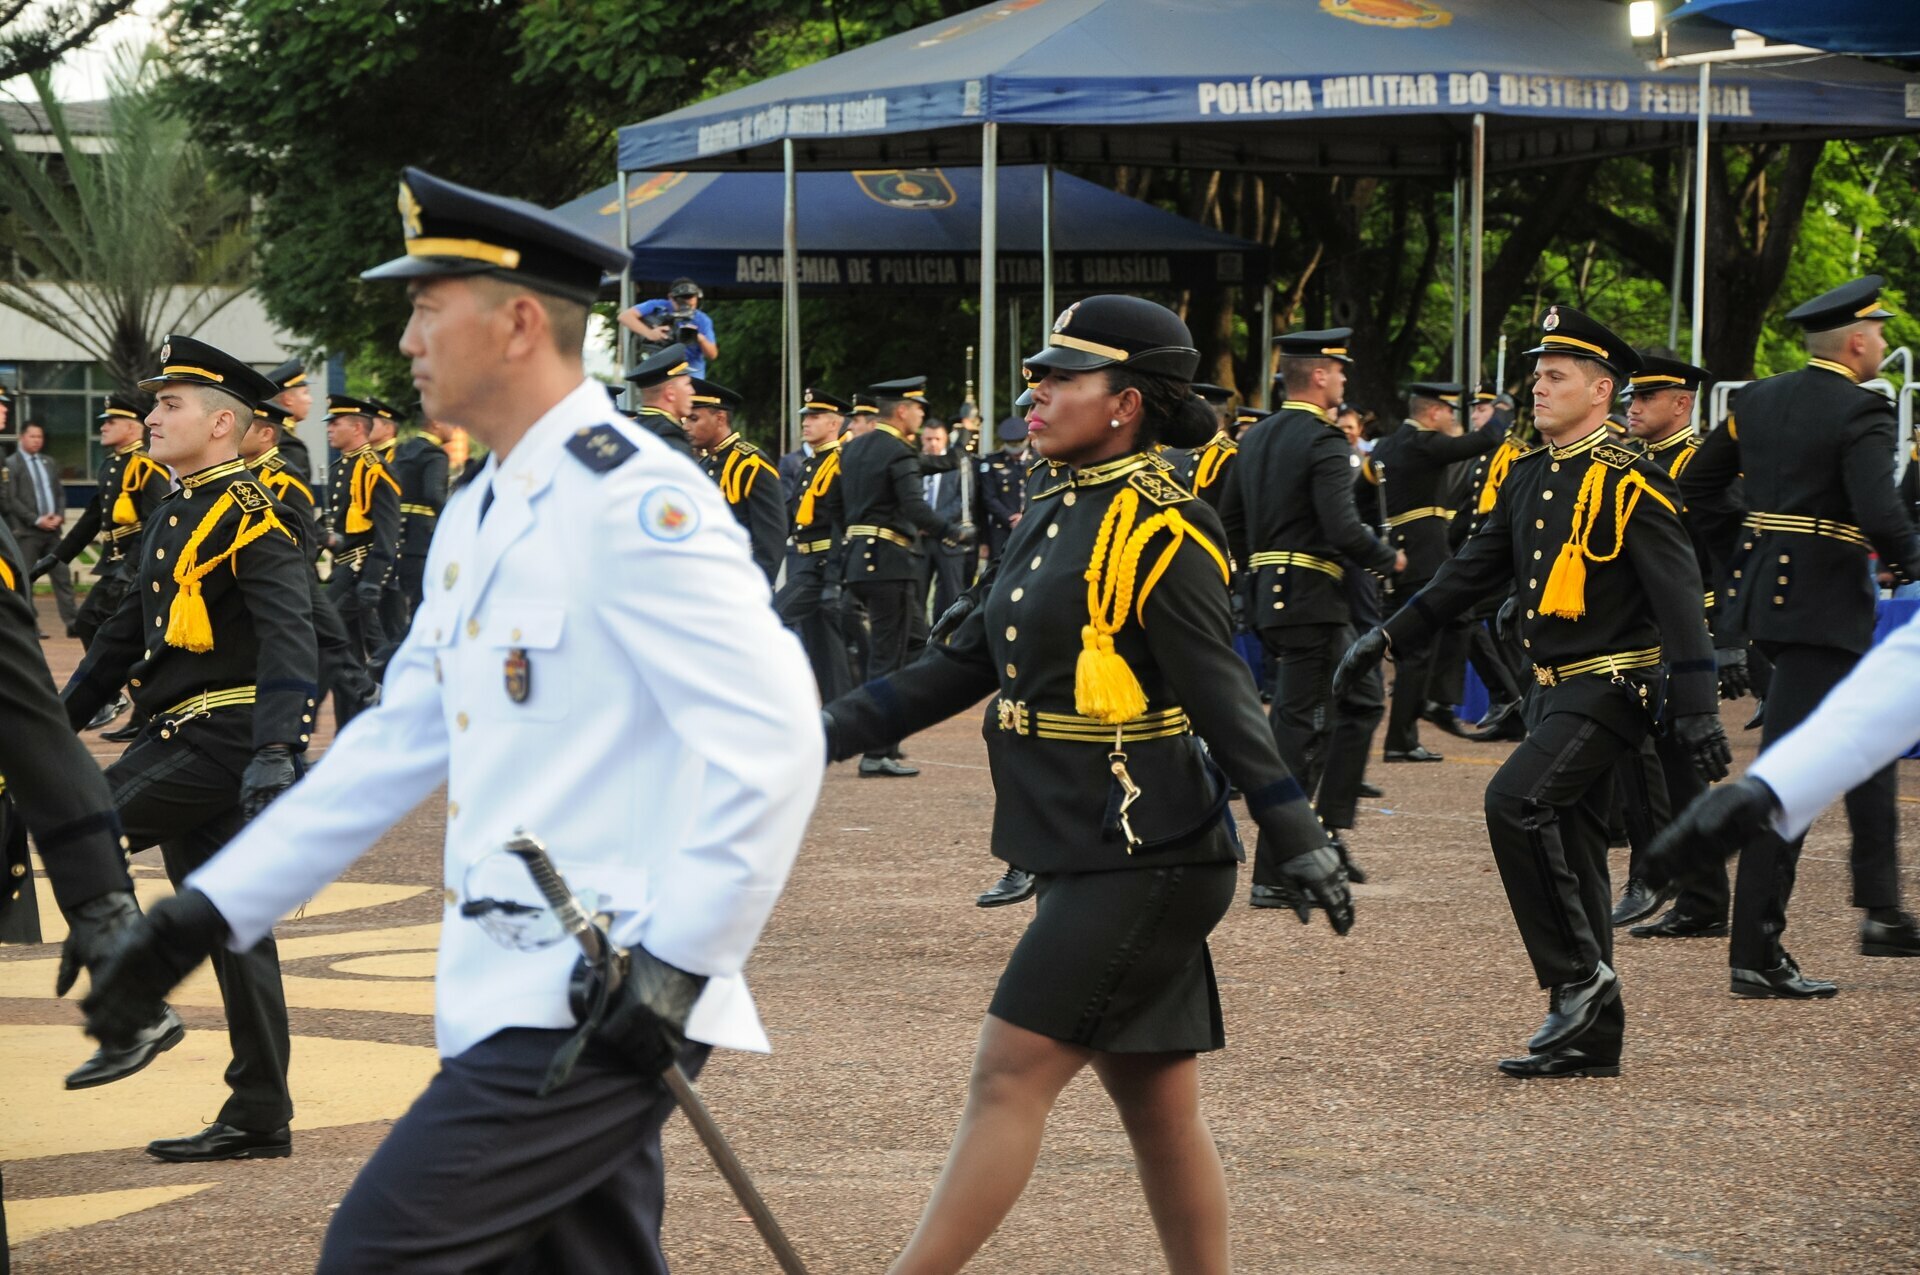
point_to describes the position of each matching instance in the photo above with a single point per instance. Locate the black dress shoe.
(1759, 715)
(1419, 752)
(1442, 716)
(1637, 902)
(1355, 873)
(128, 733)
(1783, 982)
(224, 1142)
(1558, 1064)
(1890, 938)
(871, 766)
(1014, 886)
(108, 711)
(1372, 792)
(1503, 721)
(73, 631)
(108, 1065)
(1575, 1007)
(1678, 925)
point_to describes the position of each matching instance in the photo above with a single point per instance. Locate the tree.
(56, 30)
(123, 242)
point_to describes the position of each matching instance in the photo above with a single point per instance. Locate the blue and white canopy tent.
(1420, 87)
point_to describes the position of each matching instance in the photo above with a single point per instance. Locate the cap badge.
(1066, 317)
(1552, 320)
(409, 212)
(166, 352)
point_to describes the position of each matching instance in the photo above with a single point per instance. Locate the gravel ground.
(1363, 1126)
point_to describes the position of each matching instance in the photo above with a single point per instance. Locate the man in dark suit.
(943, 570)
(1003, 484)
(1817, 452)
(37, 509)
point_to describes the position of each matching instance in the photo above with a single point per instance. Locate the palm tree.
(124, 237)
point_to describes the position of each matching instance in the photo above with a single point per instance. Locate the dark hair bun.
(1191, 425)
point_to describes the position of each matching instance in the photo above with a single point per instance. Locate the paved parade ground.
(1362, 1123)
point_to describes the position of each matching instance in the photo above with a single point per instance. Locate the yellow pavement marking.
(391, 965)
(335, 1082)
(341, 896)
(29, 1219)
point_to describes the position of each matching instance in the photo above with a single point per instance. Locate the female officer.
(1107, 636)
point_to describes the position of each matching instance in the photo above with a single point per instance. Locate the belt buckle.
(1545, 676)
(1013, 715)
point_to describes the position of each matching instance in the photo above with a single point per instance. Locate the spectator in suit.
(944, 567)
(37, 510)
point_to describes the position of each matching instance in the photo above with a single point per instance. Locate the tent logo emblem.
(650, 189)
(915, 189)
(1418, 14)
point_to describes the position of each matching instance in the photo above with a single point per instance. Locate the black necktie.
(486, 501)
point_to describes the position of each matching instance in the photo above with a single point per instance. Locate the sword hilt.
(553, 887)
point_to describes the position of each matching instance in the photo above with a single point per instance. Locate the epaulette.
(1158, 488)
(1157, 461)
(600, 448)
(1615, 456)
(1534, 450)
(248, 495)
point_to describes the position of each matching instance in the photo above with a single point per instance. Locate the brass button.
(159, 553)
(1536, 555)
(1529, 613)
(1012, 671)
(135, 683)
(1784, 559)
(1526, 642)
(1539, 524)
(1279, 571)
(303, 739)
(460, 720)
(1035, 564)
(1546, 495)
(449, 897)
(186, 493)
(1555, 466)
(453, 573)
(1777, 599)
(1279, 606)
(156, 624)
(1533, 584)
(1068, 499)
(19, 870)
(1276, 588)
(156, 586)
(1016, 595)
(1783, 580)
(1053, 531)
(453, 810)
(515, 635)
(172, 521)
(1013, 634)
(306, 717)
(1736, 573)
(473, 628)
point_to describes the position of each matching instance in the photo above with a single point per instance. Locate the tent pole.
(1013, 346)
(1700, 216)
(1264, 355)
(790, 311)
(1679, 255)
(624, 337)
(1459, 270)
(989, 264)
(1046, 238)
(1475, 325)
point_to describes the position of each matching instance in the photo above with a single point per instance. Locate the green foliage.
(123, 242)
(34, 34)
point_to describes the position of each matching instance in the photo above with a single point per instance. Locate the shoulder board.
(1532, 451)
(1156, 461)
(1158, 488)
(746, 448)
(248, 495)
(1615, 456)
(600, 448)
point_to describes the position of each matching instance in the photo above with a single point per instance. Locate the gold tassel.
(1104, 688)
(123, 514)
(189, 627)
(1497, 469)
(357, 520)
(1566, 593)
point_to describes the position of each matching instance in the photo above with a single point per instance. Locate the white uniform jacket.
(1870, 719)
(597, 662)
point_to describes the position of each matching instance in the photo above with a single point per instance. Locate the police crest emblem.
(409, 212)
(1552, 320)
(913, 189)
(519, 675)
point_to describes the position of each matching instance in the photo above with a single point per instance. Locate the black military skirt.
(1118, 961)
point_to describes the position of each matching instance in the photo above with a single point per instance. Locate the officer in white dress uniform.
(595, 660)
(1866, 722)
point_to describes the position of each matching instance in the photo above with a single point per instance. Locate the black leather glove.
(645, 1019)
(44, 565)
(1716, 824)
(1506, 621)
(159, 950)
(1705, 740)
(95, 930)
(1736, 680)
(367, 594)
(960, 535)
(1310, 870)
(1361, 658)
(269, 774)
(952, 618)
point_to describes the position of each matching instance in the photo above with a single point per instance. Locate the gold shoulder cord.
(188, 625)
(1104, 687)
(1497, 471)
(822, 479)
(1566, 593)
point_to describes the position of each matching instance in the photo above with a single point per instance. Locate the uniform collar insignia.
(1679, 438)
(1586, 444)
(225, 469)
(1837, 369)
(1299, 405)
(1109, 470)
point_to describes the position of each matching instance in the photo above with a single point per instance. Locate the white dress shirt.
(1868, 720)
(665, 743)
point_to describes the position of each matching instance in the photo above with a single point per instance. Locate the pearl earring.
(1114, 423)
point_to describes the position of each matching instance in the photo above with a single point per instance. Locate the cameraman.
(677, 318)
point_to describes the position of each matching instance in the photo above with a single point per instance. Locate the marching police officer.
(748, 481)
(420, 466)
(665, 387)
(217, 643)
(1213, 461)
(1003, 484)
(1610, 597)
(1411, 466)
(809, 598)
(1289, 515)
(1816, 451)
(363, 515)
(885, 504)
(657, 672)
(292, 392)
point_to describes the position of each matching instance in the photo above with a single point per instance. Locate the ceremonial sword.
(596, 946)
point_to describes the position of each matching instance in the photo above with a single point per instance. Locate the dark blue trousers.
(481, 1175)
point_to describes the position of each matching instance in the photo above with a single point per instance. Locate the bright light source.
(1643, 19)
